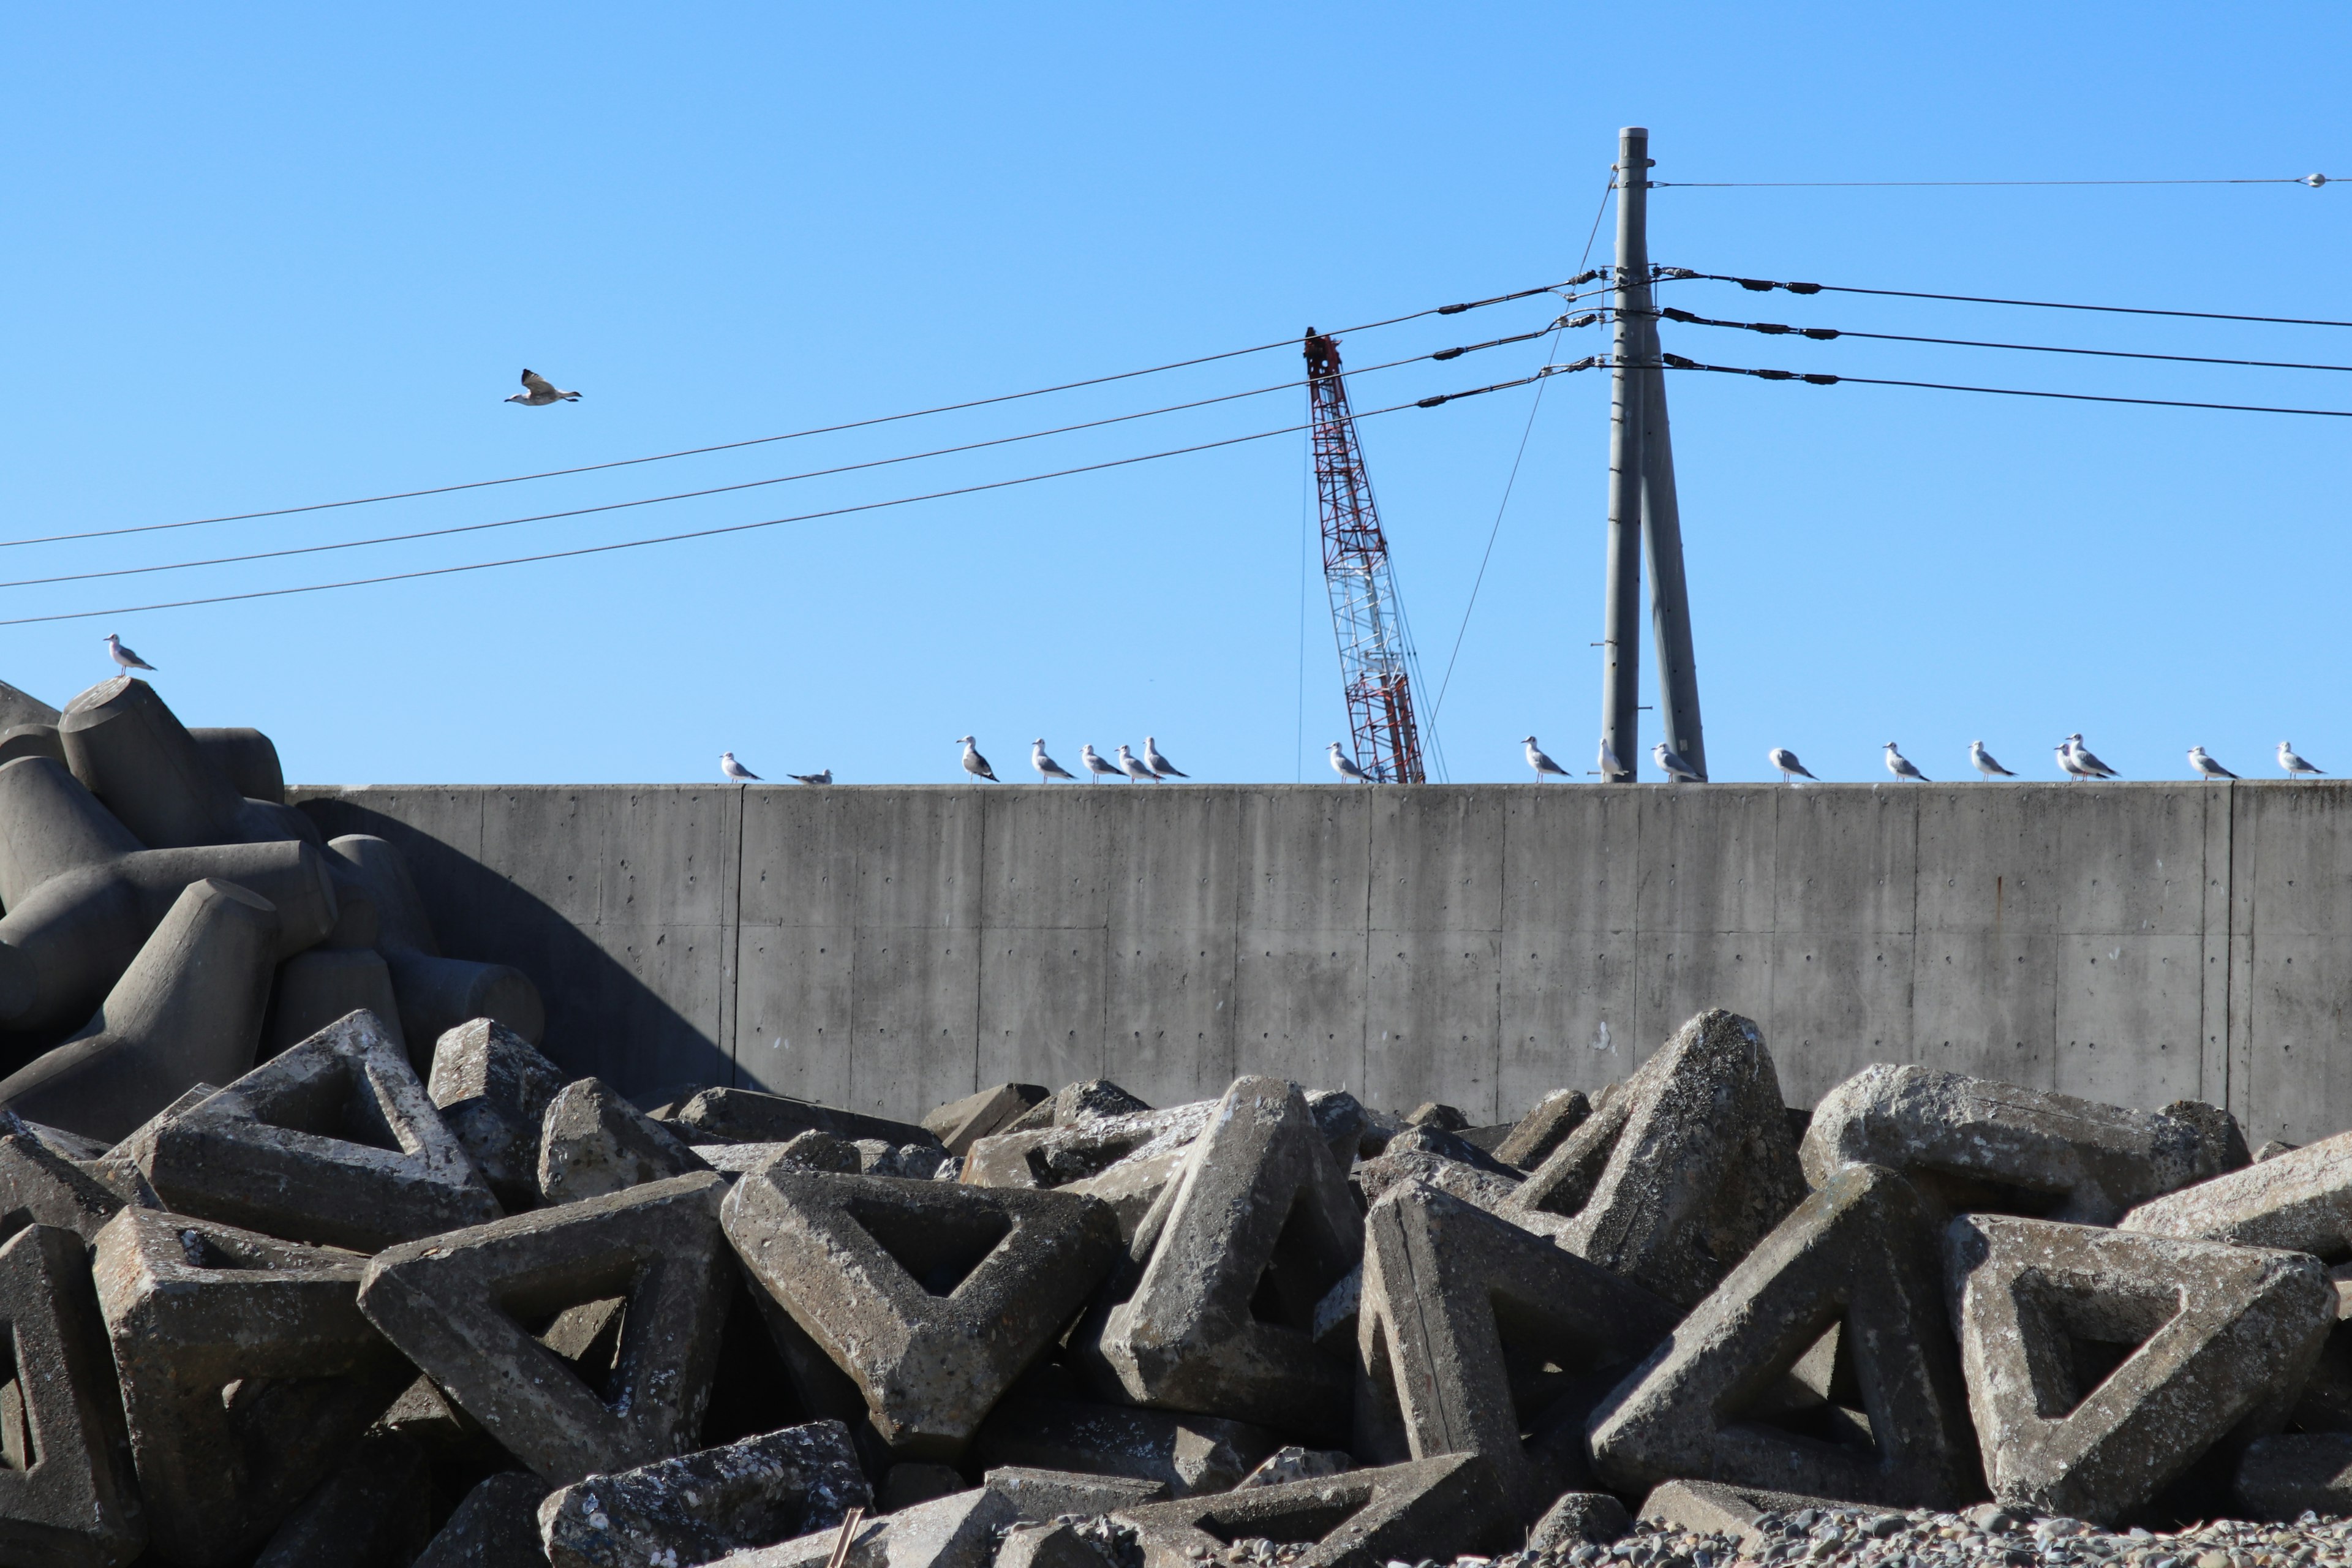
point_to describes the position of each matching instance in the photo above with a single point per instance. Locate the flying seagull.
(1786, 761)
(974, 763)
(1160, 765)
(1345, 766)
(1902, 767)
(2295, 766)
(537, 391)
(823, 778)
(1981, 760)
(1544, 766)
(1095, 764)
(1047, 768)
(735, 770)
(2207, 768)
(123, 656)
(1676, 769)
(1610, 768)
(2089, 766)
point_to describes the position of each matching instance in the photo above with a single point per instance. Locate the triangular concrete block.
(700, 1507)
(247, 1371)
(2102, 1363)
(1428, 1509)
(1876, 1415)
(1475, 1332)
(467, 1308)
(67, 1493)
(334, 1143)
(932, 1296)
(1230, 1264)
(38, 1186)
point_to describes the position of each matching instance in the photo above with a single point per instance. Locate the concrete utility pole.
(1641, 497)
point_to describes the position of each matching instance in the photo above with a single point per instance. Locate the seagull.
(1345, 766)
(1095, 764)
(1047, 768)
(2207, 768)
(2295, 766)
(537, 391)
(974, 763)
(1135, 767)
(2066, 763)
(123, 656)
(1544, 766)
(1676, 769)
(2089, 766)
(1902, 767)
(735, 770)
(1786, 761)
(823, 778)
(1158, 764)
(1610, 768)
(1981, 760)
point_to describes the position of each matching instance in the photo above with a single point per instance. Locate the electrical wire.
(764, 440)
(1677, 361)
(744, 526)
(1825, 334)
(2313, 181)
(1684, 274)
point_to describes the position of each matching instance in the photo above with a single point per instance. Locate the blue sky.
(287, 255)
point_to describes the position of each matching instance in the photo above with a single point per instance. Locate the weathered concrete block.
(1399, 1167)
(1711, 1507)
(2301, 1201)
(1297, 1464)
(134, 753)
(1220, 1313)
(32, 741)
(69, 1496)
(436, 993)
(1058, 1156)
(374, 1512)
(958, 1531)
(1048, 1546)
(1076, 1104)
(1434, 1114)
(187, 1010)
(456, 1304)
(1430, 1507)
(495, 1527)
(913, 1161)
(1050, 1494)
(1134, 1184)
(958, 1124)
(1340, 1118)
(2281, 1477)
(2211, 1337)
(493, 1088)
(1885, 1421)
(933, 1297)
(747, 1116)
(245, 757)
(1188, 1453)
(38, 1187)
(313, 989)
(1446, 1145)
(1575, 1518)
(1683, 1170)
(1543, 1128)
(1461, 1312)
(334, 1142)
(122, 1169)
(593, 1141)
(246, 1372)
(1981, 1145)
(700, 1507)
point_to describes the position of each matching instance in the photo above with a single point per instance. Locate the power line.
(764, 440)
(1825, 334)
(2313, 181)
(748, 527)
(1677, 361)
(1682, 274)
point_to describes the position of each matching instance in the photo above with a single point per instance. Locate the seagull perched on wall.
(537, 391)
(1786, 761)
(1048, 770)
(2085, 764)
(1981, 760)
(1677, 770)
(1903, 767)
(1544, 766)
(1158, 764)
(1345, 766)
(736, 771)
(1134, 766)
(2296, 768)
(1610, 768)
(823, 778)
(1094, 764)
(973, 763)
(2066, 763)
(123, 656)
(2207, 768)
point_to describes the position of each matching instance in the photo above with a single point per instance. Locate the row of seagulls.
(1149, 768)
(735, 772)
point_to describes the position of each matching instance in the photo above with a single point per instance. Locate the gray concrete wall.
(890, 948)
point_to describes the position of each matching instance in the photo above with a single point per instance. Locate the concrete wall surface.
(891, 948)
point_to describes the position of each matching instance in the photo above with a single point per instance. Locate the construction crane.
(1376, 660)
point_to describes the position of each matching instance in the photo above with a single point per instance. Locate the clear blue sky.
(273, 256)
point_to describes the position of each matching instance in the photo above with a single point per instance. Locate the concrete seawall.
(890, 948)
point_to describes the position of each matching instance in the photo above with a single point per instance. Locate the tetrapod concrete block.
(1133, 1186)
(958, 1123)
(1684, 1169)
(39, 1187)
(436, 993)
(1397, 1166)
(1076, 1104)
(1049, 1494)
(1980, 1145)
(458, 1305)
(134, 754)
(121, 1170)
(2102, 1363)
(313, 989)
(1340, 1118)
(1886, 1420)
(32, 741)
(495, 1527)
(2301, 1200)
(374, 1512)
(1220, 1311)
(958, 1532)
(493, 1089)
(747, 1116)
(1427, 1138)
(333, 1141)
(69, 1497)
(188, 1010)
(246, 1372)
(1187, 1454)
(591, 1142)
(1461, 1314)
(932, 1296)
(1058, 1156)
(18, 707)
(699, 1507)
(1428, 1509)
(1530, 1142)
(246, 758)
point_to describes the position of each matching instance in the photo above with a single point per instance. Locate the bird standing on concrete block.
(2296, 768)
(1544, 766)
(1345, 766)
(1047, 768)
(1903, 767)
(823, 778)
(2207, 768)
(1134, 767)
(974, 763)
(1981, 760)
(537, 391)
(1786, 761)
(735, 771)
(2089, 766)
(1095, 764)
(123, 656)
(1679, 771)
(1611, 769)
(1158, 763)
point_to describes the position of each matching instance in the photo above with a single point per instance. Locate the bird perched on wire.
(1048, 770)
(1096, 766)
(2089, 766)
(736, 771)
(823, 778)
(1610, 768)
(974, 763)
(1677, 770)
(1160, 765)
(1544, 766)
(1135, 767)
(1786, 761)
(2296, 768)
(123, 656)
(2207, 768)
(1981, 760)
(1903, 767)
(1345, 766)
(537, 391)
